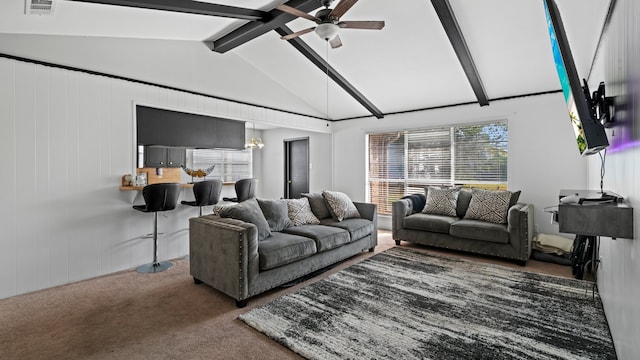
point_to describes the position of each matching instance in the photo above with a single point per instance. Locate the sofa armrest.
(399, 210)
(520, 225)
(369, 211)
(224, 254)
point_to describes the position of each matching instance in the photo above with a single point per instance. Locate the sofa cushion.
(300, 212)
(326, 237)
(489, 205)
(480, 230)
(428, 222)
(340, 205)
(281, 249)
(247, 211)
(318, 205)
(441, 201)
(357, 228)
(276, 212)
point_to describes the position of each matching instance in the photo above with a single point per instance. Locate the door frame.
(286, 143)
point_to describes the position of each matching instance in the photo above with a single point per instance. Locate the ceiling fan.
(328, 21)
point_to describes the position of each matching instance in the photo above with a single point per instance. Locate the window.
(404, 162)
(231, 165)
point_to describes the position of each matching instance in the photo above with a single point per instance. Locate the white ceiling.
(408, 65)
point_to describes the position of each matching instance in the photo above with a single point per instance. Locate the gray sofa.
(511, 240)
(226, 253)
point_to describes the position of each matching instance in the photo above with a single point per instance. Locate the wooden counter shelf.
(182, 185)
(169, 175)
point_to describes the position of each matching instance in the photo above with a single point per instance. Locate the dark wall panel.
(175, 128)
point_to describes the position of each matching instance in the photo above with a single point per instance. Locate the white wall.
(320, 150)
(66, 138)
(618, 64)
(543, 157)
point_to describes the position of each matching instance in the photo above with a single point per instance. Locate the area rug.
(402, 304)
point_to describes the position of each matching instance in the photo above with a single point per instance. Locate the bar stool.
(245, 189)
(206, 193)
(157, 197)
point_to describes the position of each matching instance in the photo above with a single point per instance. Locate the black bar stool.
(157, 197)
(206, 193)
(245, 189)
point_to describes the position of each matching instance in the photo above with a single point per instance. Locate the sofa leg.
(397, 242)
(197, 281)
(241, 303)
(372, 249)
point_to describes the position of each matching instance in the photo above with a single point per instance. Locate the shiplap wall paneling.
(8, 248)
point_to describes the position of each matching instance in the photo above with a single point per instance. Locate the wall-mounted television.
(590, 134)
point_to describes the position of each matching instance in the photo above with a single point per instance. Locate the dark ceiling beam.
(318, 61)
(451, 27)
(252, 30)
(190, 7)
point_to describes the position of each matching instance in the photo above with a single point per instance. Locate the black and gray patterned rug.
(401, 304)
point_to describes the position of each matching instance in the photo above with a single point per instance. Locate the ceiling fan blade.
(297, 33)
(369, 25)
(293, 11)
(342, 7)
(335, 42)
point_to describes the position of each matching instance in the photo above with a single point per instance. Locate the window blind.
(231, 165)
(404, 162)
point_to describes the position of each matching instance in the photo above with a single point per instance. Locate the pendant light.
(254, 142)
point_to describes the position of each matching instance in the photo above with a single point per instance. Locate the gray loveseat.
(511, 240)
(232, 255)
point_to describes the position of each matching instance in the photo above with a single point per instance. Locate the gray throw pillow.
(318, 205)
(247, 211)
(277, 213)
(441, 201)
(488, 205)
(340, 205)
(515, 196)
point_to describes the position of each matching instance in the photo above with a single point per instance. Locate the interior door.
(296, 177)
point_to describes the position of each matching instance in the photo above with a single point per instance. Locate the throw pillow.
(247, 211)
(300, 212)
(441, 201)
(515, 195)
(318, 205)
(488, 205)
(277, 213)
(340, 205)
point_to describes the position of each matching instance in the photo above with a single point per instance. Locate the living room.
(67, 138)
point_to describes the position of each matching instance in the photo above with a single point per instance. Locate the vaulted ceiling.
(431, 53)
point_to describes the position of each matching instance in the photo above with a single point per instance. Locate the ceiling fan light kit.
(328, 21)
(327, 31)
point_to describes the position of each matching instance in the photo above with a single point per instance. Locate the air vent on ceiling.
(39, 7)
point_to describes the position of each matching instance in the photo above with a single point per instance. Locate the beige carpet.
(152, 316)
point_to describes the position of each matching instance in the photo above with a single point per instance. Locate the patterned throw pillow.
(340, 205)
(300, 212)
(488, 205)
(441, 201)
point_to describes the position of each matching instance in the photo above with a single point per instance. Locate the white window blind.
(231, 165)
(404, 162)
